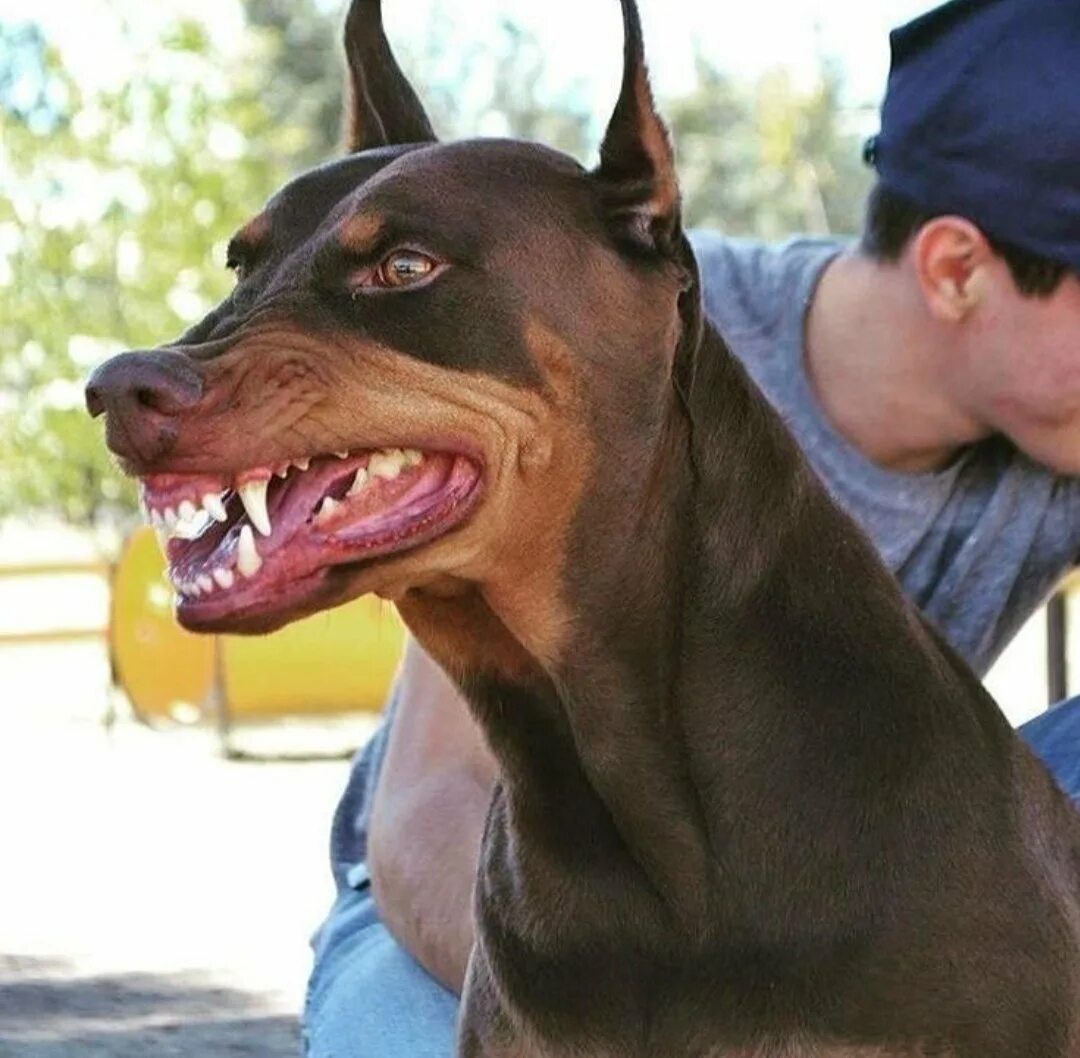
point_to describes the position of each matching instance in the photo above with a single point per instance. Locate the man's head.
(406, 387)
(978, 201)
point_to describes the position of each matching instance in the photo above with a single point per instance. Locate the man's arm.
(427, 819)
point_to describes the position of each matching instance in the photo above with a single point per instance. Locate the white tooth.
(413, 458)
(191, 590)
(359, 482)
(186, 511)
(170, 519)
(205, 582)
(214, 507)
(329, 505)
(225, 578)
(282, 471)
(342, 455)
(156, 519)
(253, 497)
(248, 561)
(384, 465)
(301, 464)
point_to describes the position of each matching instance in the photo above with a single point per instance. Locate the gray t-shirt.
(977, 546)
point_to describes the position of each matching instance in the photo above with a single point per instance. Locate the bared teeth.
(170, 519)
(301, 464)
(205, 583)
(327, 509)
(248, 562)
(359, 482)
(387, 465)
(253, 497)
(225, 578)
(215, 507)
(413, 458)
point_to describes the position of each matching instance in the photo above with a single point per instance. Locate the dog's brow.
(251, 237)
(358, 233)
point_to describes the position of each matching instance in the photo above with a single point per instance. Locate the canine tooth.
(359, 482)
(248, 561)
(329, 505)
(253, 497)
(205, 583)
(225, 578)
(214, 507)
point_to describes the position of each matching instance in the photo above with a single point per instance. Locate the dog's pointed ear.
(383, 108)
(637, 162)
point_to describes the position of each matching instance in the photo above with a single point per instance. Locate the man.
(932, 374)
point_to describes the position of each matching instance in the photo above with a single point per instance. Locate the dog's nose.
(142, 395)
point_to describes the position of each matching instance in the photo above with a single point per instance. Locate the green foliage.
(117, 205)
(768, 160)
(112, 233)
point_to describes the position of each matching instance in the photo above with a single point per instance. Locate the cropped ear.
(637, 163)
(383, 108)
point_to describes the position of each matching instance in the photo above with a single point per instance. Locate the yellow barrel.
(338, 661)
(166, 672)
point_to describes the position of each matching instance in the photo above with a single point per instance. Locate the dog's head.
(431, 352)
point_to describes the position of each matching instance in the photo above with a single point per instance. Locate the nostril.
(148, 397)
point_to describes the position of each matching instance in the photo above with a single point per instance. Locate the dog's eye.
(403, 268)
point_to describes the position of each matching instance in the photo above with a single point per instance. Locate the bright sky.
(581, 37)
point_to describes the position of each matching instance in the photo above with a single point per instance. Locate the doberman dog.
(751, 805)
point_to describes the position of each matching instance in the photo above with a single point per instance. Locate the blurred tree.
(112, 227)
(768, 159)
(117, 205)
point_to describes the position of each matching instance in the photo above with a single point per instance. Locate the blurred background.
(165, 801)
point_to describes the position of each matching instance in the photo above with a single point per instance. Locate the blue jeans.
(368, 998)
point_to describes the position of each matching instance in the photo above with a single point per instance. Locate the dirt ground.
(155, 898)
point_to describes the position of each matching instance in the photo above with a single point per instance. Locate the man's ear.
(383, 108)
(637, 163)
(951, 258)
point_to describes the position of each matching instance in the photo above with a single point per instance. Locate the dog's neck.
(732, 680)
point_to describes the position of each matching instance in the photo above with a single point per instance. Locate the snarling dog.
(750, 803)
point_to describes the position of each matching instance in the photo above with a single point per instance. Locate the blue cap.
(982, 119)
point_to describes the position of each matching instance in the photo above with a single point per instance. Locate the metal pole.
(1057, 668)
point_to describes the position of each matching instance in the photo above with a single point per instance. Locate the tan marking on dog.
(256, 230)
(517, 622)
(359, 232)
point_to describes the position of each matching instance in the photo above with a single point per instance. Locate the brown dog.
(750, 804)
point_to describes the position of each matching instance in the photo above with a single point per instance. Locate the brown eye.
(403, 268)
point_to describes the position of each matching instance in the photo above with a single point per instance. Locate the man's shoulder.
(751, 286)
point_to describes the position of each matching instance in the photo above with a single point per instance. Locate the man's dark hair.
(892, 221)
